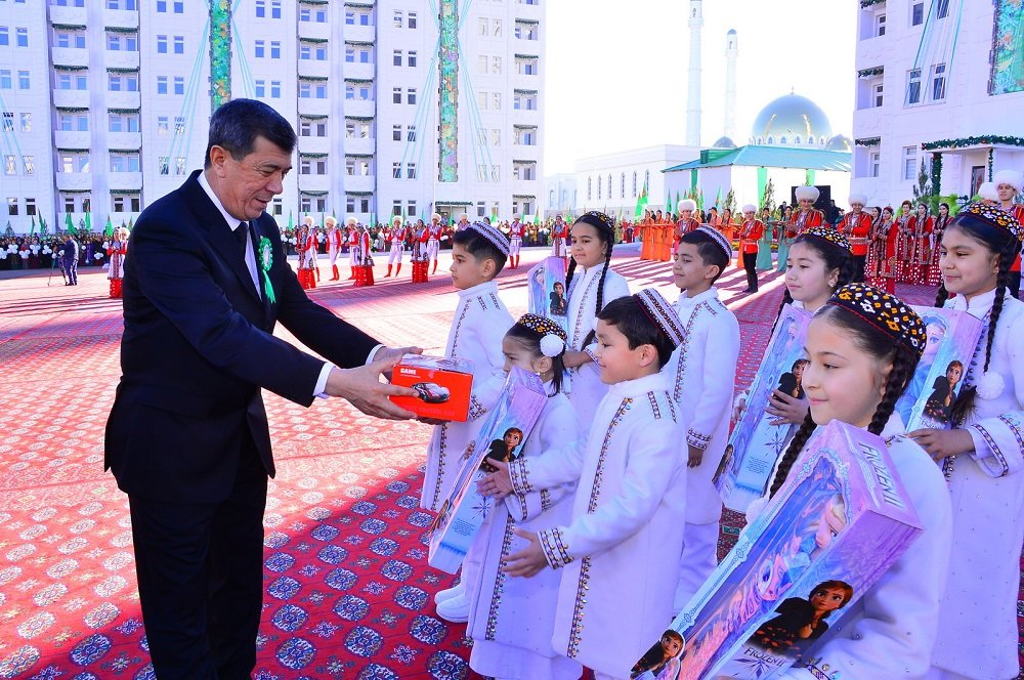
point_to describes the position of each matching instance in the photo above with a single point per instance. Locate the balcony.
(72, 139)
(315, 69)
(67, 16)
(359, 33)
(359, 145)
(115, 18)
(125, 181)
(70, 56)
(354, 183)
(358, 71)
(124, 140)
(314, 182)
(74, 181)
(314, 30)
(120, 59)
(315, 145)
(123, 100)
(314, 107)
(357, 108)
(78, 99)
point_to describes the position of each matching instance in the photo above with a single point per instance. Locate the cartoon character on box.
(661, 662)
(792, 382)
(938, 407)
(503, 449)
(558, 305)
(801, 621)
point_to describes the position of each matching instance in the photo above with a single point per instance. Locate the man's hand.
(943, 443)
(528, 561)
(497, 484)
(362, 388)
(695, 456)
(388, 353)
(787, 408)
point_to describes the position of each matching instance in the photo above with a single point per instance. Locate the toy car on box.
(442, 386)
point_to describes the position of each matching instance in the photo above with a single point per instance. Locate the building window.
(259, 52)
(527, 30)
(161, 84)
(909, 162)
(23, 80)
(275, 9)
(879, 25)
(12, 205)
(399, 19)
(878, 94)
(29, 163)
(939, 82)
(524, 101)
(917, 13)
(411, 20)
(410, 133)
(275, 49)
(22, 36)
(914, 86)
(179, 85)
(5, 79)
(161, 44)
(179, 44)
(410, 171)
(261, 9)
(941, 9)
(261, 88)
(26, 122)
(622, 185)
(275, 89)
(874, 163)
(396, 95)
(396, 58)
(590, 188)
(30, 206)
(410, 95)
(124, 162)
(411, 61)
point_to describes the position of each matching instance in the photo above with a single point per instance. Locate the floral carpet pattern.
(348, 593)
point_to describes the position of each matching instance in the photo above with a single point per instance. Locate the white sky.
(617, 71)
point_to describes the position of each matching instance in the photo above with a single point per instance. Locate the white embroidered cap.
(718, 238)
(662, 314)
(497, 239)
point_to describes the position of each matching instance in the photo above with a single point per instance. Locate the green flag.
(291, 221)
(130, 223)
(69, 226)
(33, 229)
(641, 201)
(109, 229)
(42, 226)
(88, 222)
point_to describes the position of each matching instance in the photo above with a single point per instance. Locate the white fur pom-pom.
(991, 385)
(551, 345)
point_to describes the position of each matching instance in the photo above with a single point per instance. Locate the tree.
(923, 190)
(730, 202)
(768, 200)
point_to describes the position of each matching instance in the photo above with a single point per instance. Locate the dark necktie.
(241, 231)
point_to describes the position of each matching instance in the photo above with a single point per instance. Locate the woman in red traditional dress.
(117, 250)
(934, 274)
(921, 226)
(903, 243)
(882, 266)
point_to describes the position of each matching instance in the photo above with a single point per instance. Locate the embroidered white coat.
(587, 389)
(511, 619)
(480, 322)
(703, 371)
(891, 630)
(618, 557)
(978, 621)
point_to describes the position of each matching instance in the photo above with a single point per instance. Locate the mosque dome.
(791, 120)
(840, 143)
(724, 143)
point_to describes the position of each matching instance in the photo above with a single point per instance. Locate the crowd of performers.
(606, 517)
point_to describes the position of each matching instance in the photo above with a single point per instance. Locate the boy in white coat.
(702, 372)
(616, 593)
(481, 319)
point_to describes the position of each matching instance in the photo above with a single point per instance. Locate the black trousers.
(200, 572)
(750, 265)
(859, 264)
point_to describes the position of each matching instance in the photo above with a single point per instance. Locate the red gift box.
(443, 386)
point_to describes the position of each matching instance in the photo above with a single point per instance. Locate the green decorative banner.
(1007, 48)
(448, 91)
(220, 52)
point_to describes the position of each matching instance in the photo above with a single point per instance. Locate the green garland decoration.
(220, 52)
(869, 72)
(868, 141)
(869, 3)
(990, 158)
(936, 173)
(979, 140)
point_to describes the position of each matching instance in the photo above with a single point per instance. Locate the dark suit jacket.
(70, 251)
(198, 346)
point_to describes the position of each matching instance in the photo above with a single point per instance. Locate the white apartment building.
(938, 81)
(105, 103)
(613, 182)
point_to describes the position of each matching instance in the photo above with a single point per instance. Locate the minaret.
(730, 83)
(693, 91)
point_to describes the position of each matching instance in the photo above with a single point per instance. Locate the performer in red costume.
(856, 226)
(881, 264)
(335, 240)
(921, 227)
(352, 237)
(686, 223)
(434, 232)
(806, 215)
(941, 222)
(516, 231)
(117, 250)
(305, 245)
(559, 238)
(396, 237)
(750, 233)
(1009, 185)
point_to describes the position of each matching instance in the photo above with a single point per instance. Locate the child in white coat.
(616, 554)
(983, 457)
(863, 347)
(481, 319)
(591, 284)
(702, 371)
(511, 619)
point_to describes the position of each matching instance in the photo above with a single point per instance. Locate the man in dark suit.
(187, 438)
(70, 260)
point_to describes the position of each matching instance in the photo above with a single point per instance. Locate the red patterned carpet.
(348, 592)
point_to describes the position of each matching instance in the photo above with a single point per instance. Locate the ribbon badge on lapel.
(266, 260)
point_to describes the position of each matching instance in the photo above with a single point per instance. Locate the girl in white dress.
(511, 620)
(591, 285)
(982, 457)
(863, 347)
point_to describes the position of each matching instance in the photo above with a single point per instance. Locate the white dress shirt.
(250, 262)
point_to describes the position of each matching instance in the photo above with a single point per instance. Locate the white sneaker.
(458, 590)
(454, 609)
